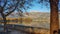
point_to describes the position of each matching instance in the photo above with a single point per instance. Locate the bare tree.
(9, 6)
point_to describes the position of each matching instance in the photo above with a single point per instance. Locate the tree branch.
(9, 7)
(5, 3)
(12, 10)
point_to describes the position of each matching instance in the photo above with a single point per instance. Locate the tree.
(54, 21)
(9, 6)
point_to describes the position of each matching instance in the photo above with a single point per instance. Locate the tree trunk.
(54, 19)
(4, 19)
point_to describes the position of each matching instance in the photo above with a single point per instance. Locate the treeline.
(17, 20)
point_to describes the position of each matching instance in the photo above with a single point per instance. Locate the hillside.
(40, 19)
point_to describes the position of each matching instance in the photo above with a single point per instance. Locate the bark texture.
(54, 19)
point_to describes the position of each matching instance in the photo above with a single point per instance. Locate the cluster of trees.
(18, 20)
(25, 20)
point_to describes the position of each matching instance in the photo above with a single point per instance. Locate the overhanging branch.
(5, 3)
(12, 10)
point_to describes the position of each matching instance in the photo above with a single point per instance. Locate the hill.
(40, 19)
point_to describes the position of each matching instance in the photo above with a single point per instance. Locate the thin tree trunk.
(4, 19)
(21, 19)
(54, 19)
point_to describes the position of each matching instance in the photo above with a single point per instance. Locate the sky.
(39, 8)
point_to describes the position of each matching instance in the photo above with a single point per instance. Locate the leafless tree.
(9, 6)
